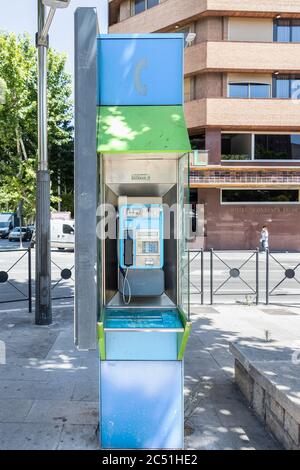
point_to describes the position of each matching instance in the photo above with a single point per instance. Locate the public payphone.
(141, 249)
(143, 150)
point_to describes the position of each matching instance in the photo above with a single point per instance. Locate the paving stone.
(79, 437)
(29, 436)
(72, 412)
(14, 410)
(86, 391)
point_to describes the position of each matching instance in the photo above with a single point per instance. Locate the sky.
(21, 16)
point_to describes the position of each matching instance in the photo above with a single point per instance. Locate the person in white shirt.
(264, 238)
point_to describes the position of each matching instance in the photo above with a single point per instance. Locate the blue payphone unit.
(141, 250)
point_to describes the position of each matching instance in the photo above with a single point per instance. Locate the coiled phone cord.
(125, 281)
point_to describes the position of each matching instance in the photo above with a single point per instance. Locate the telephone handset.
(128, 248)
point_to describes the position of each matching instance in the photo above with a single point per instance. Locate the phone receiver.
(140, 87)
(128, 248)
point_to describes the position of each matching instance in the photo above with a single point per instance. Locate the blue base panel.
(141, 405)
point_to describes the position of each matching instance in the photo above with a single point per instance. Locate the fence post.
(202, 278)
(29, 282)
(211, 276)
(257, 276)
(267, 276)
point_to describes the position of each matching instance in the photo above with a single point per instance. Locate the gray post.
(211, 276)
(86, 180)
(43, 310)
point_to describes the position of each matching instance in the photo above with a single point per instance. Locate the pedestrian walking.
(264, 238)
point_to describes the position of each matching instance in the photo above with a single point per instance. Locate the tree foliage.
(18, 124)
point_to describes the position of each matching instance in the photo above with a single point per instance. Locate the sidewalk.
(49, 391)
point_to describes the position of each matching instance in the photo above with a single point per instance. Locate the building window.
(287, 31)
(259, 196)
(141, 5)
(277, 147)
(249, 90)
(236, 146)
(198, 141)
(286, 86)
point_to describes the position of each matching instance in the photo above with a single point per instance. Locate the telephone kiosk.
(143, 282)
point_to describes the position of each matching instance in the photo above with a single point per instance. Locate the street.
(227, 289)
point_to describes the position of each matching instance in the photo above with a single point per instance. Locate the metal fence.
(15, 276)
(234, 277)
(285, 283)
(63, 281)
(245, 277)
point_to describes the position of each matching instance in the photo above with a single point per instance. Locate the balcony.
(286, 8)
(161, 17)
(172, 12)
(242, 56)
(244, 114)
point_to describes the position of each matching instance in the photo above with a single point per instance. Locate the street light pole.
(43, 307)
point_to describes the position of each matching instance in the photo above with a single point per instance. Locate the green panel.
(101, 341)
(183, 339)
(123, 129)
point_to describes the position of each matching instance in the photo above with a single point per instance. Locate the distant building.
(242, 93)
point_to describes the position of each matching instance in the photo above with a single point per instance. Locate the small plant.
(249, 301)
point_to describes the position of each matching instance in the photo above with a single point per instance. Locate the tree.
(18, 124)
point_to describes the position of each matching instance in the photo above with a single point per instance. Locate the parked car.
(8, 220)
(15, 234)
(62, 234)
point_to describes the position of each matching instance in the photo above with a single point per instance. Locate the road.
(234, 290)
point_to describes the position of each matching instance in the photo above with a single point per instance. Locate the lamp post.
(43, 310)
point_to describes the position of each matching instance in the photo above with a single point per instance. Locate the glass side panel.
(99, 241)
(184, 233)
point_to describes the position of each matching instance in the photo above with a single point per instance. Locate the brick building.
(242, 105)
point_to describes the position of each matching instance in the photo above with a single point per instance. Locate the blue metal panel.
(141, 405)
(142, 346)
(140, 70)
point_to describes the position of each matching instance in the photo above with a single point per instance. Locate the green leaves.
(18, 124)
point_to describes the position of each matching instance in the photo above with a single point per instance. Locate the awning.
(141, 129)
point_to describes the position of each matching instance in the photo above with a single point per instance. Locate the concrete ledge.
(271, 384)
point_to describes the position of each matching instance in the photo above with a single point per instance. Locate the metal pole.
(211, 276)
(202, 278)
(21, 223)
(257, 275)
(267, 276)
(43, 310)
(29, 282)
